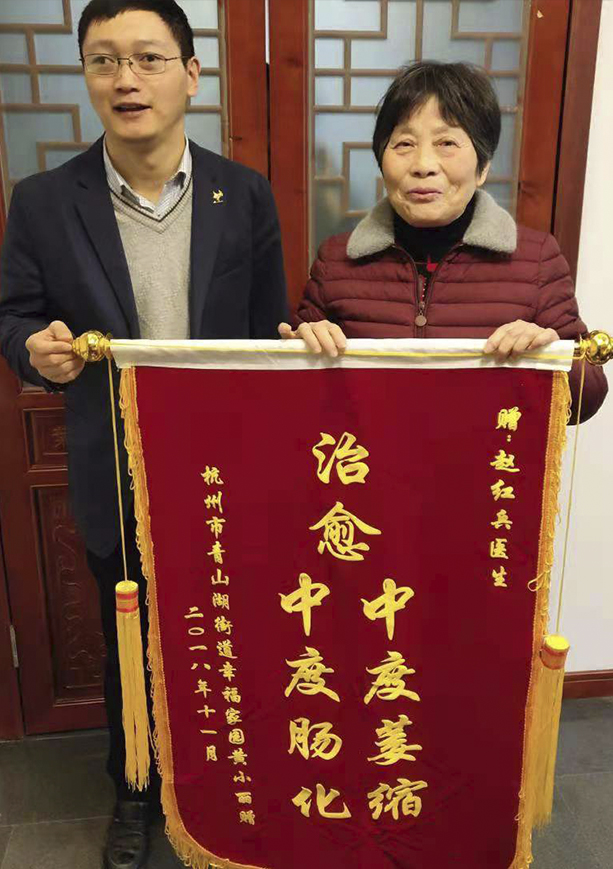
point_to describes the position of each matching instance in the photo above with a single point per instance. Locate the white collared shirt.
(171, 193)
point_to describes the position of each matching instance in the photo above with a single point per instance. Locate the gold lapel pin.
(217, 197)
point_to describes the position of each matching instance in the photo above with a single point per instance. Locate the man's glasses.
(145, 64)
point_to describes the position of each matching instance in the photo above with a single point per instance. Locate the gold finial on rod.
(597, 348)
(92, 346)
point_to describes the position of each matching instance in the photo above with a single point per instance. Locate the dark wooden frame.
(558, 101)
(543, 102)
(246, 68)
(577, 114)
(289, 134)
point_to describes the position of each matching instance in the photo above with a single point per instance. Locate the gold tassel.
(546, 726)
(135, 714)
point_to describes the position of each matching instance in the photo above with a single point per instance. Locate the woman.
(438, 258)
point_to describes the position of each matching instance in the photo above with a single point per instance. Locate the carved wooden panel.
(72, 600)
(46, 438)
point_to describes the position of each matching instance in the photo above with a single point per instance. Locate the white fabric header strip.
(361, 353)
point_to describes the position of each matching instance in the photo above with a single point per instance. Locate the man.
(145, 235)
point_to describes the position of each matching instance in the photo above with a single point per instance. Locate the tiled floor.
(55, 800)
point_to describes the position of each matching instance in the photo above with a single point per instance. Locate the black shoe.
(127, 841)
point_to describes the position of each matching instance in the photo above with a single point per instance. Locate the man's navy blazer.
(63, 259)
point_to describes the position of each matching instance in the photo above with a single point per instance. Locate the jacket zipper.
(419, 289)
(423, 288)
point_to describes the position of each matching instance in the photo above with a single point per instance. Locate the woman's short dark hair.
(465, 96)
(169, 11)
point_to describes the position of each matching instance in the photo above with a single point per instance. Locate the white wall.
(587, 614)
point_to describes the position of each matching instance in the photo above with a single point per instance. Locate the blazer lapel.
(208, 217)
(93, 202)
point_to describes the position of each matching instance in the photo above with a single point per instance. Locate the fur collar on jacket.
(491, 228)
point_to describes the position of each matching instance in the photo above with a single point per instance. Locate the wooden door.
(46, 592)
(331, 63)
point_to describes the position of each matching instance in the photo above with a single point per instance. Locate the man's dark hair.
(465, 96)
(169, 11)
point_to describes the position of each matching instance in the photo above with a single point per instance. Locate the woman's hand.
(516, 338)
(319, 337)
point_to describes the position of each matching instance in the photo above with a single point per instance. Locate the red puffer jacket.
(499, 273)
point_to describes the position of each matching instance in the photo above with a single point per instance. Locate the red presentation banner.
(348, 577)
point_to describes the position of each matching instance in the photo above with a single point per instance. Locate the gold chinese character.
(302, 801)
(228, 671)
(309, 595)
(211, 476)
(209, 732)
(233, 716)
(231, 695)
(238, 756)
(502, 521)
(211, 752)
(247, 817)
(499, 577)
(225, 650)
(308, 677)
(508, 418)
(505, 462)
(304, 798)
(236, 737)
(241, 777)
(348, 458)
(339, 534)
(393, 742)
(400, 798)
(207, 709)
(244, 798)
(391, 675)
(214, 501)
(313, 740)
(196, 631)
(198, 648)
(219, 579)
(217, 552)
(221, 601)
(499, 490)
(498, 548)
(201, 664)
(388, 604)
(193, 613)
(222, 625)
(203, 688)
(216, 525)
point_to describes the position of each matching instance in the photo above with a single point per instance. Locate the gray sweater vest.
(158, 255)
